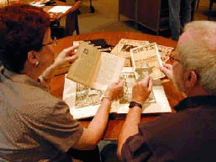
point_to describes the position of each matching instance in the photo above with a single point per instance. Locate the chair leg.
(77, 24)
(92, 10)
(210, 9)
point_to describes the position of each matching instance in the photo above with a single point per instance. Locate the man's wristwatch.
(133, 104)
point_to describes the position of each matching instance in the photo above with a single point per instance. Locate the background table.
(112, 38)
(71, 18)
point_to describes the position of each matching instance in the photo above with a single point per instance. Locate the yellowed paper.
(84, 69)
(80, 101)
(108, 71)
(124, 46)
(84, 102)
(161, 104)
(149, 56)
(165, 52)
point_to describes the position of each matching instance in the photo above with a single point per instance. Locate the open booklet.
(95, 69)
(84, 102)
(147, 60)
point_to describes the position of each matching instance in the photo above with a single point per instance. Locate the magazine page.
(147, 58)
(156, 102)
(84, 69)
(165, 52)
(83, 101)
(160, 104)
(109, 70)
(124, 46)
(128, 77)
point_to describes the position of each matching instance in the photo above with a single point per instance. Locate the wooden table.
(112, 38)
(73, 8)
(71, 22)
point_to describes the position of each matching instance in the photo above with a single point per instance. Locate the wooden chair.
(66, 27)
(92, 9)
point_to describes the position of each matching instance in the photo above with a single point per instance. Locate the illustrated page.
(147, 58)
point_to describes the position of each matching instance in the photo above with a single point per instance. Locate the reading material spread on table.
(84, 101)
(95, 69)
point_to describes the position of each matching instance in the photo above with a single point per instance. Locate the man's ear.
(32, 57)
(190, 78)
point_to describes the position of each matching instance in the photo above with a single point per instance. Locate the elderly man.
(189, 134)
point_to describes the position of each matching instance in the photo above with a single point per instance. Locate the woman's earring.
(36, 64)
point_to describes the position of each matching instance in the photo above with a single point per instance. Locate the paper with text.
(84, 102)
(109, 69)
(147, 55)
(84, 69)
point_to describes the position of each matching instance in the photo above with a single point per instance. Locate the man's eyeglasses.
(54, 42)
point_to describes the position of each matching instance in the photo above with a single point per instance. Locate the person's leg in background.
(174, 19)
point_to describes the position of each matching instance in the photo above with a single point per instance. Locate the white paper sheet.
(59, 9)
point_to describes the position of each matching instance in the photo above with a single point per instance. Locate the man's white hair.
(198, 53)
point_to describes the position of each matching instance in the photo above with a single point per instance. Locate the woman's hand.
(68, 55)
(141, 90)
(167, 69)
(115, 90)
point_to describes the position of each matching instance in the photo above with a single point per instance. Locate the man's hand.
(114, 90)
(68, 55)
(142, 89)
(167, 69)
